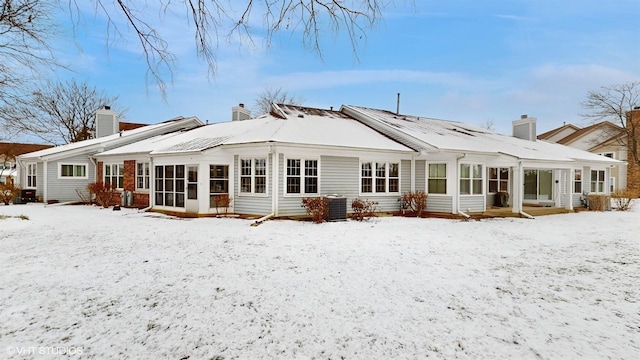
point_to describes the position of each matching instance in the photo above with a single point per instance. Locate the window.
(31, 175)
(366, 176)
(169, 185)
(470, 179)
(218, 183)
(577, 181)
(73, 171)
(498, 180)
(437, 179)
(597, 181)
(385, 178)
(253, 176)
(612, 184)
(142, 176)
(114, 175)
(302, 176)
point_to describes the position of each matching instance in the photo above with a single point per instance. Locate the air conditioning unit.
(337, 208)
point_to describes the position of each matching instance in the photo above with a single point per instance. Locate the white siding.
(65, 189)
(440, 203)
(421, 175)
(247, 204)
(472, 203)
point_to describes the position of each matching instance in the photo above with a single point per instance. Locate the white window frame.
(577, 180)
(170, 189)
(438, 178)
(145, 176)
(612, 184)
(107, 179)
(32, 175)
(597, 186)
(499, 180)
(375, 177)
(472, 179)
(253, 176)
(75, 166)
(302, 176)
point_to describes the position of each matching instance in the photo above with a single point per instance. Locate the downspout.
(262, 219)
(521, 191)
(458, 186)
(274, 180)
(45, 183)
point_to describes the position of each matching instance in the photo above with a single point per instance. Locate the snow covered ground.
(95, 283)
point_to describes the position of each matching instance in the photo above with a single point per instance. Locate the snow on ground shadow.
(124, 284)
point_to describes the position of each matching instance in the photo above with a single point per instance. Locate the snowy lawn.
(98, 283)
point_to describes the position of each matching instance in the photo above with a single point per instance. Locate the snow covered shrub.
(8, 192)
(416, 201)
(363, 209)
(102, 192)
(622, 199)
(317, 207)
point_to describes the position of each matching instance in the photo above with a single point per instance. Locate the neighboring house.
(604, 138)
(8, 153)
(268, 164)
(62, 172)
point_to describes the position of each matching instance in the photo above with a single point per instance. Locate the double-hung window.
(253, 176)
(498, 180)
(142, 176)
(577, 181)
(470, 179)
(437, 181)
(302, 176)
(597, 181)
(31, 175)
(71, 171)
(114, 175)
(379, 177)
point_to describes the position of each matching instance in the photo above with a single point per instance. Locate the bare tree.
(613, 103)
(25, 27)
(278, 96)
(58, 112)
(214, 20)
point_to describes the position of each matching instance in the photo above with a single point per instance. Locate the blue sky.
(458, 60)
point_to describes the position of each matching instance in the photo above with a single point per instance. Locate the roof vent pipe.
(398, 105)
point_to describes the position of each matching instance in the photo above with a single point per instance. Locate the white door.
(192, 205)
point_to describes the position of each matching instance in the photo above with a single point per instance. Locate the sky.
(481, 63)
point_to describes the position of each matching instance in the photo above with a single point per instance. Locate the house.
(8, 153)
(62, 173)
(604, 138)
(269, 163)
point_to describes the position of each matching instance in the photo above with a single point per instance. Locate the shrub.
(598, 202)
(416, 201)
(317, 207)
(102, 192)
(8, 192)
(622, 199)
(363, 209)
(222, 201)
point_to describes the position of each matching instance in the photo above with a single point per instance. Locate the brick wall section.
(129, 175)
(633, 168)
(99, 169)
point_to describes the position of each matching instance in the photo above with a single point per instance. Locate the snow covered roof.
(287, 124)
(122, 137)
(444, 135)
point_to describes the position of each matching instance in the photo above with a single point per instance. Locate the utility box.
(27, 195)
(337, 207)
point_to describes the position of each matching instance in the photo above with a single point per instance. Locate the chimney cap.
(241, 105)
(524, 116)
